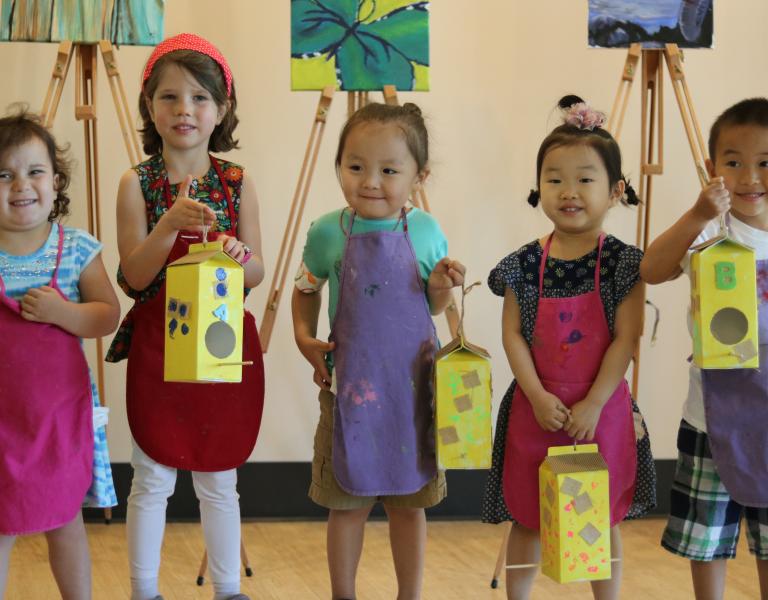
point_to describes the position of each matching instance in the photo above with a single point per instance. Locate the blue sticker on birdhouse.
(221, 274)
(220, 290)
(185, 308)
(184, 329)
(172, 325)
(222, 313)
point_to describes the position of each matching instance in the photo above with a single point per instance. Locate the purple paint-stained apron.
(385, 347)
(570, 338)
(736, 406)
(46, 421)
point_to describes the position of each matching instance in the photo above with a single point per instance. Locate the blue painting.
(123, 22)
(652, 23)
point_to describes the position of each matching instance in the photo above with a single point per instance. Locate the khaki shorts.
(325, 491)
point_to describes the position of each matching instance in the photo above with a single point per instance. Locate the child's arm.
(249, 234)
(551, 414)
(305, 308)
(662, 258)
(447, 274)
(628, 327)
(143, 255)
(96, 315)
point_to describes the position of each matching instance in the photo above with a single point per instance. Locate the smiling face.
(575, 190)
(27, 187)
(183, 111)
(741, 159)
(378, 174)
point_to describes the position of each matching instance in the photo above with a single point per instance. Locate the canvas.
(652, 23)
(359, 45)
(123, 22)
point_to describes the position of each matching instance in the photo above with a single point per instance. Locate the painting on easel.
(359, 45)
(122, 22)
(652, 23)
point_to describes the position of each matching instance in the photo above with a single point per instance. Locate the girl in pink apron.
(572, 313)
(387, 271)
(53, 291)
(188, 106)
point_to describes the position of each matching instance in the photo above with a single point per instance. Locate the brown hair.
(408, 117)
(208, 74)
(21, 126)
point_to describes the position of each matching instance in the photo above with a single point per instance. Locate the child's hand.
(583, 420)
(43, 305)
(551, 414)
(314, 351)
(187, 214)
(234, 247)
(713, 201)
(446, 275)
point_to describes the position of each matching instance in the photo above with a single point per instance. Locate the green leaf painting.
(123, 22)
(359, 45)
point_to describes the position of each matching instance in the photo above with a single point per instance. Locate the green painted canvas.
(123, 22)
(359, 45)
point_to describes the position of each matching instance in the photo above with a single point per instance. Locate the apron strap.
(545, 254)
(59, 253)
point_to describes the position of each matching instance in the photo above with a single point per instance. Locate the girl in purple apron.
(387, 270)
(722, 465)
(188, 106)
(572, 316)
(53, 291)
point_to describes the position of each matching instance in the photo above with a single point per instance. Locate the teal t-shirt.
(325, 245)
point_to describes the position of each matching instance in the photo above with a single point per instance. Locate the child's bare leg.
(344, 546)
(608, 589)
(523, 548)
(708, 579)
(762, 575)
(70, 559)
(6, 545)
(408, 539)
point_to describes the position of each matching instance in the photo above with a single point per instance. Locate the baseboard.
(278, 490)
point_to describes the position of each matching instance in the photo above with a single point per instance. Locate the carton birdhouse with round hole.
(204, 316)
(724, 305)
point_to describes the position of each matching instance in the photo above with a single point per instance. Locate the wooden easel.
(85, 111)
(651, 155)
(355, 100)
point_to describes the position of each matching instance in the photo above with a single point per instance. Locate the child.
(53, 291)
(188, 107)
(572, 316)
(721, 469)
(387, 269)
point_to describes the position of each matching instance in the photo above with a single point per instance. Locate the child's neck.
(180, 164)
(570, 246)
(21, 243)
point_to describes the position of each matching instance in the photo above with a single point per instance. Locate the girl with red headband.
(188, 107)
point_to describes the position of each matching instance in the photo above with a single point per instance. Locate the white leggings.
(152, 484)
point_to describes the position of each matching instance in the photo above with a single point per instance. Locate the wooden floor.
(288, 560)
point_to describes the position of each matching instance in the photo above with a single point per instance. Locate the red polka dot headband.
(189, 41)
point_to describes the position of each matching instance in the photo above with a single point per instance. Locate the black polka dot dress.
(519, 271)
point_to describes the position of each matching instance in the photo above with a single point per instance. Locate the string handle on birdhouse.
(464, 292)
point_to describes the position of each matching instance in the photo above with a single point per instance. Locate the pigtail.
(630, 196)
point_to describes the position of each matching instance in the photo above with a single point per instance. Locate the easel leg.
(130, 138)
(294, 217)
(501, 559)
(56, 85)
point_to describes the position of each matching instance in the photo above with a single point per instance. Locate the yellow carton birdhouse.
(724, 305)
(463, 394)
(575, 514)
(204, 316)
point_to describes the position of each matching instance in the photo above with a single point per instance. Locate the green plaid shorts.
(704, 521)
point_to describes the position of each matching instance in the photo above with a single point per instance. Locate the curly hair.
(208, 74)
(20, 126)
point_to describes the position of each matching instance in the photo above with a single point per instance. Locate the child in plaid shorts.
(722, 471)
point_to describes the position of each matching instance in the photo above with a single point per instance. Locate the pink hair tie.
(189, 41)
(583, 116)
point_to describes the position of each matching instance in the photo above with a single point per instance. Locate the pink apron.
(46, 427)
(570, 338)
(192, 426)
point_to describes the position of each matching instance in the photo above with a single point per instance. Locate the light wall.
(499, 66)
